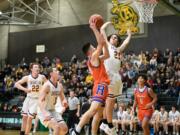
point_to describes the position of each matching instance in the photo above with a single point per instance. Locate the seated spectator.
(162, 118)
(172, 120)
(115, 116)
(153, 120)
(128, 121)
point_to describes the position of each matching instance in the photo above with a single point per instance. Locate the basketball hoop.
(145, 9)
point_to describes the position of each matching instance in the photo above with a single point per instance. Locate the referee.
(74, 110)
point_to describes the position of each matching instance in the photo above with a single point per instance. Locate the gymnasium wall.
(66, 41)
(163, 33)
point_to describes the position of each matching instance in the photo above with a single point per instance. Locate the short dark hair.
(49, 70)
(85, 48)
(118, 37)
(144, 76)
(163, 107)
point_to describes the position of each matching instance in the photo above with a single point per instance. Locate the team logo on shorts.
(100, 89)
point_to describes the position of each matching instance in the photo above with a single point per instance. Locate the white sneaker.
(50, 131)
(74, 132)
(177, 133)
(113, 131)
(34, 131)
(107, 130)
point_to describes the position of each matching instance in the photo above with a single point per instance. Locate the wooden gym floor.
(16, 132)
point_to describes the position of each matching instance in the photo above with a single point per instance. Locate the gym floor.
(16, 132)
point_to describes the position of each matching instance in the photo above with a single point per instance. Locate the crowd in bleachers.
(162, 69)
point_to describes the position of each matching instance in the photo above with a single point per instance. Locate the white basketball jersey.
(35, 84)
(162, 116)
(52, 96)
(112, 64)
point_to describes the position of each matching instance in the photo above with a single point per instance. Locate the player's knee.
(92, 112)
(64, 129)
(144, 125)
(57, 128)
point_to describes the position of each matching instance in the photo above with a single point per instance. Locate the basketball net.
(145, 9)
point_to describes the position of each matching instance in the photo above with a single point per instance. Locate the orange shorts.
(100, 92)
(145, 114)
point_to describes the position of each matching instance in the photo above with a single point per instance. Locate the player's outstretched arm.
(125, 42)
(103, 31)
(100, 41)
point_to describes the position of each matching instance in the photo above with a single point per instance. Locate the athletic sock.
(78, 129)
(104, 121)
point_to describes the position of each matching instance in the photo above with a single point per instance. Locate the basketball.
(98, 20)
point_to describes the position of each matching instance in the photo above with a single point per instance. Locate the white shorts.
(30, 107)
(54, 116)
(116, 85)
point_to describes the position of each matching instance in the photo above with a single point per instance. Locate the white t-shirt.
(163, 116)
(173, 116)
(121, 115)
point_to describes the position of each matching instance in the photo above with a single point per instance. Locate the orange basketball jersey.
(142, 98)
(99, 73)
(101, 82)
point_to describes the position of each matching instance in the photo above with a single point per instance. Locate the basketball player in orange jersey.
(113, 64)
(101, 81)
(34, 82)
(144, 99)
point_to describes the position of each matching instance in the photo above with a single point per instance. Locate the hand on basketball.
(92, 25)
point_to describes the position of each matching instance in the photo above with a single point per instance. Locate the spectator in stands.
(162, 118)
(178, 102)
(173, 118)
(128, 121)
(178, 125)
(153, 121)
(115, 117)
(121, 114)
(5, 107)
(153, 63)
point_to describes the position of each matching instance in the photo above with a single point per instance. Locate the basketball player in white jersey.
(47, 113)
(112, 65)
(34, 82)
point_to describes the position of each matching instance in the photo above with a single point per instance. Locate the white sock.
(78, 129)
